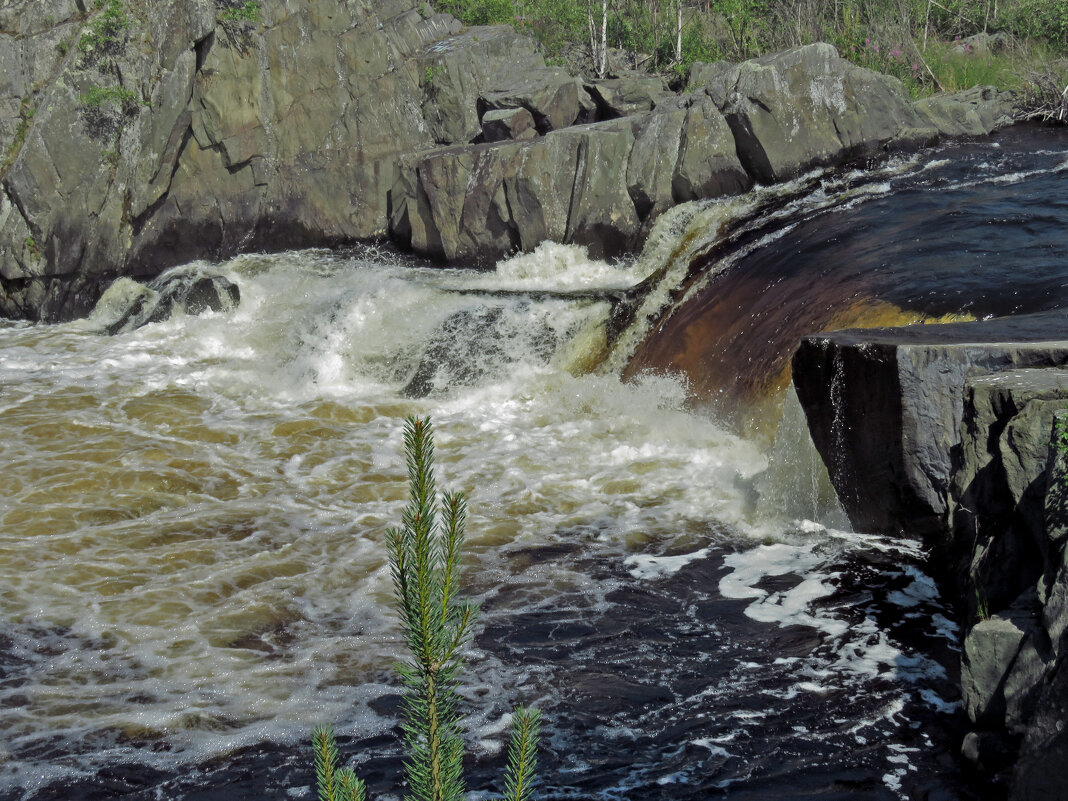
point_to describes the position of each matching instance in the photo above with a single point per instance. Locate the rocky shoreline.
(951, 432)
(195, 134)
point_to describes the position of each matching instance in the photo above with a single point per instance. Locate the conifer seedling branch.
(424, 557)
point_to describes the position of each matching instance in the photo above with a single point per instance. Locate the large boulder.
(600, 185)
(974, 112)
(499, 125)
(808, 107)
(885, 408)
(127, 305)
(629, 92)
(482, 68)
(554, 99)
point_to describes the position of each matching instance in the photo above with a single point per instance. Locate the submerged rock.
(473, 345)
(127, 305)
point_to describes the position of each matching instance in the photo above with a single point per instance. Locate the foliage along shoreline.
(930, 45)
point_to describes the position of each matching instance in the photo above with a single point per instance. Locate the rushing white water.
(192, 528)
(191, 532)
(191, 538)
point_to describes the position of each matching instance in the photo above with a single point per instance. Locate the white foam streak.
(195, 509)
(784, 608)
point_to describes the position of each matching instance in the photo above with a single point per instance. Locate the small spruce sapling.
(424, 557)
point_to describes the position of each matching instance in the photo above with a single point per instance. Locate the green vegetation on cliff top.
(931, 45)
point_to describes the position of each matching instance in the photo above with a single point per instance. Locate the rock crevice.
(951, 431)
(331, 121)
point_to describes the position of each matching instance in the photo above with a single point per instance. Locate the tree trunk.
(602, 67)
(594, 49)
(678, 30)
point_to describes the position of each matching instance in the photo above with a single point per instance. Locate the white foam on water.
(921, 590)
(713, 748)
(210, 570)
(792, 607)
(937, 703)
(935, 164)
(645, 566)
(945, 628)
(549, 267)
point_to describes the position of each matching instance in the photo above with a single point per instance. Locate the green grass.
(956, 70)
(249, 12)
(105, 29)
(118, 96)
(911, 39)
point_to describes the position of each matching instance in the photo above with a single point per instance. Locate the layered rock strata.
(955, 431)
(893, 472)
(136, 140)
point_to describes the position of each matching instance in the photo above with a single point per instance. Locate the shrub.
(103, 108)
(104, 31)
(1047, 19)
(424, 558)
(249, 12)
(118, 96)
(1060, 437)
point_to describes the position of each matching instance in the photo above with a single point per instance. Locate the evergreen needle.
(424, 559)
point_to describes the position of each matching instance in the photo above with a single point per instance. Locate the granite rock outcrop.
(954, 431)
(135, 141)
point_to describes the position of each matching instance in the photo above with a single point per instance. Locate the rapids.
(192, 570)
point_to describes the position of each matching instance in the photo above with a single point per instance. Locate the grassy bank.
(931, 45)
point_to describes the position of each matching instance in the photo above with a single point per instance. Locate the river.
(192, 567)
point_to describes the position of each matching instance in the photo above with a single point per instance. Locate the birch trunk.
(602, 67)
(678, 31)
(598, 44)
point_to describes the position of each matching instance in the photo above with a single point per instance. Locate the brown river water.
(192, 568)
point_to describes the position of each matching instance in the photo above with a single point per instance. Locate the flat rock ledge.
(950, 431)
(322, 122)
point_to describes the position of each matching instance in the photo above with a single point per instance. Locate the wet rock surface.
(939, 430)
(127, 305)
(893, 473)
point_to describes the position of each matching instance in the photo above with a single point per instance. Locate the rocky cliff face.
(137, 140)
(188, 131)
(893, 473)
(951, 430)
(1009, 525)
